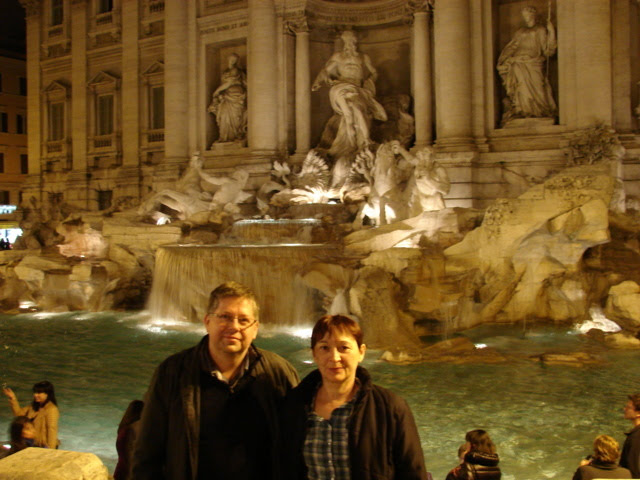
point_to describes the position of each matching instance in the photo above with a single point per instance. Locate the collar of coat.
(209, 366)
(484, 459)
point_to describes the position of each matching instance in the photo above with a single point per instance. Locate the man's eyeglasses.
(228, 319)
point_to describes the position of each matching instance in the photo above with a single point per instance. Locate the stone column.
(78, 184)
(34, 88)
(262, 77)
(303, 88)
(593, 62)
(176, 81)
(79, 81)
(452, 43)
(421, 76)
(130, 85)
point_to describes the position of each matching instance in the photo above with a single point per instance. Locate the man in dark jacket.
(211, 410)
(630, 457)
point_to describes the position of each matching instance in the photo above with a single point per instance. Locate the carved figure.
(521, 66)
(428, 183)
(231, 192)
(351, 76)
(189, 197)
(400, 124)
(229, 103)
(386, 178)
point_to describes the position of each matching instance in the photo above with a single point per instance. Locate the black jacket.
(383, 438)
(630, 456)
(600, 470)
(168, 441)
(477, 466)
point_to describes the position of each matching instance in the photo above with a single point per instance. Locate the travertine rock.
(529, 249)
(49, 464)
(623, 304)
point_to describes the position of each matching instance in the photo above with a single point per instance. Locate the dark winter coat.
(630, 456)
(383, 438)
(167, 446)
(477, 466)
(600, 470)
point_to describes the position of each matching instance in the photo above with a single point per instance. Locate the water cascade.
(185, 274)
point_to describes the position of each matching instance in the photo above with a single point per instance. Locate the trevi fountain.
(519, 314)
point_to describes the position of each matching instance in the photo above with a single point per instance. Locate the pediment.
(56, 87)
(156, 68)
(103, 78)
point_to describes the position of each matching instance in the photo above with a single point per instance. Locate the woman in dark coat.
(338, 424)
(480, 460)
(603, 462)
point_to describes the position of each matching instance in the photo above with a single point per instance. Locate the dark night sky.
(12, 27)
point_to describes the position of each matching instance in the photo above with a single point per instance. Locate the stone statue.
(229, 103)
(351, 76)
(190, 197)
(428, 183)
(386, 178)
(522, 66)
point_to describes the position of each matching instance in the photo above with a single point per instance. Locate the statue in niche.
(523, 67)
(229, 103)
(351, 76)
(428, 184)
(191, 197)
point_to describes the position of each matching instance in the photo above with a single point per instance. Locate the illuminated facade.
(120, 89)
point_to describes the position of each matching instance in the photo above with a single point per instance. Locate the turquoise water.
(542, 418)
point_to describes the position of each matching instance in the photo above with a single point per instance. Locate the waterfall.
(184, 276)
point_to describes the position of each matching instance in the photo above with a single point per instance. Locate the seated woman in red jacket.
(338, 424)
(480, 459)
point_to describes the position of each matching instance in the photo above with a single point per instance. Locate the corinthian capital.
(32, 7)
(297, 25)
(415, 6)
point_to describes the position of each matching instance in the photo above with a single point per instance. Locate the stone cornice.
(324, 13)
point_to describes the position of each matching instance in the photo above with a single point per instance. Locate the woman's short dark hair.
(480, 441)
(336, 323)
(15, 433)
(44, 387)
(606, 449)
(230, 290)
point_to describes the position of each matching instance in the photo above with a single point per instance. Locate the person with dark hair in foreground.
(211, 411)
(22, 435)
(480, 460)
(630, 457)
(603, 463)
(338, 424)
(43, 412)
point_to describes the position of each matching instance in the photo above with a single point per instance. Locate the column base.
(456, 144)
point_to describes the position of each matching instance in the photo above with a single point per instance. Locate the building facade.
(122, 92)
(14, 165)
